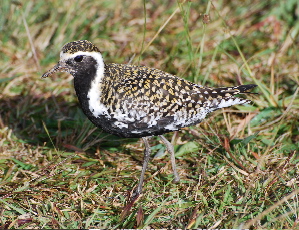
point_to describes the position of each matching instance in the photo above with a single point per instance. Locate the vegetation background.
(239, 167)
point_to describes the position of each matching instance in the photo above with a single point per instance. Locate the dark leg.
(170, 149)
(147, 152)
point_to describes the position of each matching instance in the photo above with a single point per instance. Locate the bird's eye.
(78, 58)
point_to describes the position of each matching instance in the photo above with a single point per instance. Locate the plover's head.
(78, 58)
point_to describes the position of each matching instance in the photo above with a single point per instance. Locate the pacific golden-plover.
(137, 101)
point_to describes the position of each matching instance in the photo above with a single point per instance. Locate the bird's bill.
(59, 67)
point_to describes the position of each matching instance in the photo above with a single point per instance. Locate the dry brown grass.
(238, 168)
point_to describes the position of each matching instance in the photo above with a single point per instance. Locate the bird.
(137, 101)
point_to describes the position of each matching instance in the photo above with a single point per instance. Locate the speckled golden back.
(135, 86)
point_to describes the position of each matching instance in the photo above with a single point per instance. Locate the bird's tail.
(224, 96)
(244, 88)
(229, 91)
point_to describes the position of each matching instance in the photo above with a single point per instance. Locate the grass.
(239, 167)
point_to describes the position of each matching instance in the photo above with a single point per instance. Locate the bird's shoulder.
(125, 77)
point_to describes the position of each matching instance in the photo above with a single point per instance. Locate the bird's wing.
(143, 91)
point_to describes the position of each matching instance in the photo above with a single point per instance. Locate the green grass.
(238, 168)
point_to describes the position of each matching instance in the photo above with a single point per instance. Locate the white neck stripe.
(94, 93)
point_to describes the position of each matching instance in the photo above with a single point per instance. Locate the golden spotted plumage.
(82, 45)
(156, 90)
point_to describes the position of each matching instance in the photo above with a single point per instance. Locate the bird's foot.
(136, 193)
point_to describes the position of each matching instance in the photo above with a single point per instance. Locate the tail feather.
(224, 97)
(236, 89)
(244, 88)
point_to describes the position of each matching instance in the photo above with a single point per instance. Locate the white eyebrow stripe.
(65, 56)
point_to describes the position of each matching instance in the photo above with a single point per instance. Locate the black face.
(82, 66)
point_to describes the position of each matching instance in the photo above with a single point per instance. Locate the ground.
(238, 168)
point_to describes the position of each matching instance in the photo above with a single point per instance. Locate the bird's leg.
(147, 152)
(170, 149)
